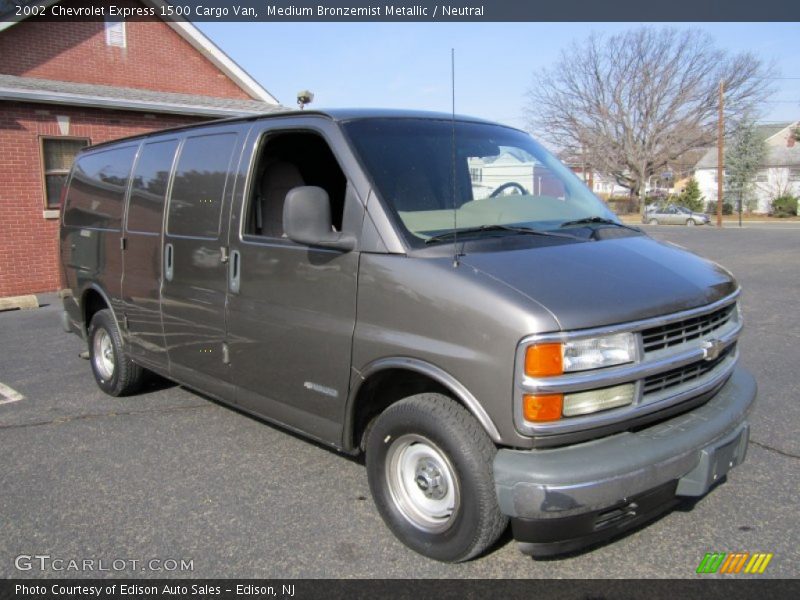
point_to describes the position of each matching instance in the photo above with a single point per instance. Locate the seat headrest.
(280, 175)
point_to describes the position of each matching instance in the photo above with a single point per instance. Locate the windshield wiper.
(512, 228)
(598, 220)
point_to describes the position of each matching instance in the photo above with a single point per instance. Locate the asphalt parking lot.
(171, 475)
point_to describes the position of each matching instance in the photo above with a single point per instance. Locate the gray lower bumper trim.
(571, 480)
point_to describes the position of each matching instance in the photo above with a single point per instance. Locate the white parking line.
(9, 395)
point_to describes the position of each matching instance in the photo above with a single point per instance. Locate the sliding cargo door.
(195, 259)
(143, 268)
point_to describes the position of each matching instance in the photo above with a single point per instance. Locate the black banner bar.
(407, 10)
(734, 588)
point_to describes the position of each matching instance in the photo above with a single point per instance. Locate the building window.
(57, 157)
(115, 33)
(476, 174)
(762, 177)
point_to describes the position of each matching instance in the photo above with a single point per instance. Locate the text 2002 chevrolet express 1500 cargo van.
(442, 295)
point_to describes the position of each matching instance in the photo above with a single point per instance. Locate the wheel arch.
(94, 299)
(394, 379)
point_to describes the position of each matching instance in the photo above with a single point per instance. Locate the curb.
(19, 302)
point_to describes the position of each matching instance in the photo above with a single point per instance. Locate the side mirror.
(307, 219)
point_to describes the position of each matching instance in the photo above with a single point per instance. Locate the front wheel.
(429, 465)
(690, 222)
(114, 372)
(653, 222)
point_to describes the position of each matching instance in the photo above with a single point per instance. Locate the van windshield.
(498, 175)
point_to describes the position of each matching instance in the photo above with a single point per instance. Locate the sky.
(407, 65)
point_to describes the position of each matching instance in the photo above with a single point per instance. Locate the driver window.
(286, 161)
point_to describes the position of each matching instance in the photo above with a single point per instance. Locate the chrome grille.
(686, 330)
(685, 374)
(673, 365)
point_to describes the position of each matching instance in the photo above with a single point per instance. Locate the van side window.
(197, 191)
(97, 189)
(286, 161)
(149, 186)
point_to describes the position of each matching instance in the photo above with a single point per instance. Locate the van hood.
(607, 282)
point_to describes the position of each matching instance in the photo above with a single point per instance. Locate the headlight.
(552, 407)
(584, 403)
(556, 358)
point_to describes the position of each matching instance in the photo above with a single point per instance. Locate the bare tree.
(639, 100)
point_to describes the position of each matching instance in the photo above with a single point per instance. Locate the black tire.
(691, 222)
(435, 423)
(113, 371)
(652, 222)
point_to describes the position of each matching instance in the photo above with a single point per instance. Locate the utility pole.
(583, 162)
(720, 142)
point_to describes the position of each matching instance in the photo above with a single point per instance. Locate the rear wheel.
(429, 464)
(113, 371)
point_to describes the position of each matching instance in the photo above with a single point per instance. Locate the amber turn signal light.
(544, 360)
(539, 409)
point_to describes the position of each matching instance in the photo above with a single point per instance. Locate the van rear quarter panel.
(92, 259)
(454, 318)
(91, 254)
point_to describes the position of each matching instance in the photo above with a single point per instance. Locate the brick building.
(65, 85)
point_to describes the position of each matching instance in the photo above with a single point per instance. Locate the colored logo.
(734, 562)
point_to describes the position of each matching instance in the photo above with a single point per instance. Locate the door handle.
(234, 271)
(168, 259)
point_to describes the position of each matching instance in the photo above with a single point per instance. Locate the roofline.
(200, 42)
(195, 38)
(234, 119)
(332, 116)
(109, 102)
(789, 125)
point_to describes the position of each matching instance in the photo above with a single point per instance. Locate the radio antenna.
(453, 151)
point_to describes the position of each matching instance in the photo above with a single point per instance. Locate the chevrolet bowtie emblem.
(712, 349)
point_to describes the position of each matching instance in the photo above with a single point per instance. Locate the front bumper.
(563, 498)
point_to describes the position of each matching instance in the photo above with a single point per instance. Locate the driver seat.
(277, 180)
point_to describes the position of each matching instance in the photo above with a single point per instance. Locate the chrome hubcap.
(422, 483)
(430, 480)
(103, 354)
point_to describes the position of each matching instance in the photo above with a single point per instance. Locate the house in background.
(490, 172)
(779, 173)
(64, 85)
(601, 184)
(607, 187)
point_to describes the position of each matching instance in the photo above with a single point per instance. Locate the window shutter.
(115, 33)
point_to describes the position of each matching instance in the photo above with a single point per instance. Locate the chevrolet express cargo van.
(438, 293)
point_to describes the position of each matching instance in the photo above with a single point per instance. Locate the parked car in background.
(672, 214)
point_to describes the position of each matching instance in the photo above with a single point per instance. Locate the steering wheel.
(505, 186)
